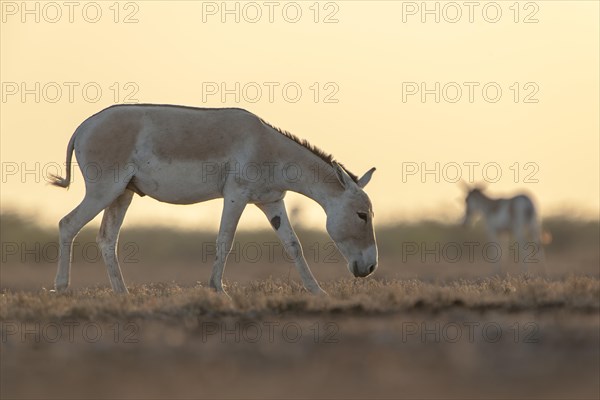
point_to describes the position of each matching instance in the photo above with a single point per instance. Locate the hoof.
(319, 292)
(63, 290)
(60, 288)
(120, 290)
(218, 290)
(223, 294)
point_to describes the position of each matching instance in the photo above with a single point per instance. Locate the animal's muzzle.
(364, 272)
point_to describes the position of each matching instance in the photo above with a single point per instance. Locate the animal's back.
(523, 206)
(167, 131)
(172, 153)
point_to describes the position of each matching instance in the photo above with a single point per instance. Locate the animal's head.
(473, 201)
(350, 224)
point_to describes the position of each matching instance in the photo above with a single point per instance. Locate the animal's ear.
(464, 186)
(362, 182)
(342, 176)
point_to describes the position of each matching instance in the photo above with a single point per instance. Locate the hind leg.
(108, 236)
(522, 247)
(232, 211)
(537, 254)
(69, 227)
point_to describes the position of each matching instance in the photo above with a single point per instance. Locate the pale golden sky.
(369, 67)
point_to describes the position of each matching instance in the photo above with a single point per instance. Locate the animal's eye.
(362, 216)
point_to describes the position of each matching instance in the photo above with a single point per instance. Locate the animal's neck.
(487, 204)
(317, 180)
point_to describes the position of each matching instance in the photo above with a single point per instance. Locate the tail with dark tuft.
(65, 182)
(60, 182)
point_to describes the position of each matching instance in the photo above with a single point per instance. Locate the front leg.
(232, 211)
(496, 262)
(278, 218)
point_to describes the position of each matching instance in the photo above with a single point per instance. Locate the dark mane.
(328, 158)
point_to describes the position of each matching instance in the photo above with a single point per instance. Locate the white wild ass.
(516, 216)
(185, 155)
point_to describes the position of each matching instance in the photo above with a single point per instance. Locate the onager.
(186, 155)
(516, 215)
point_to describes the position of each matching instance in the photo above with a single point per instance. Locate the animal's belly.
(178, 182)
(503, 225)
(194, 181)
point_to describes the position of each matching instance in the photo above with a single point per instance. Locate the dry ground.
(417, 329)
(487, 338)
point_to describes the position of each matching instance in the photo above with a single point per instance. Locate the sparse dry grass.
(273, 297)
(390, 341)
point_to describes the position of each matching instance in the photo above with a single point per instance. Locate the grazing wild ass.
(186, 155)
(516, 215)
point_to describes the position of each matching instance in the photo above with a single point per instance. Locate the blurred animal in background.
(516, 216)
